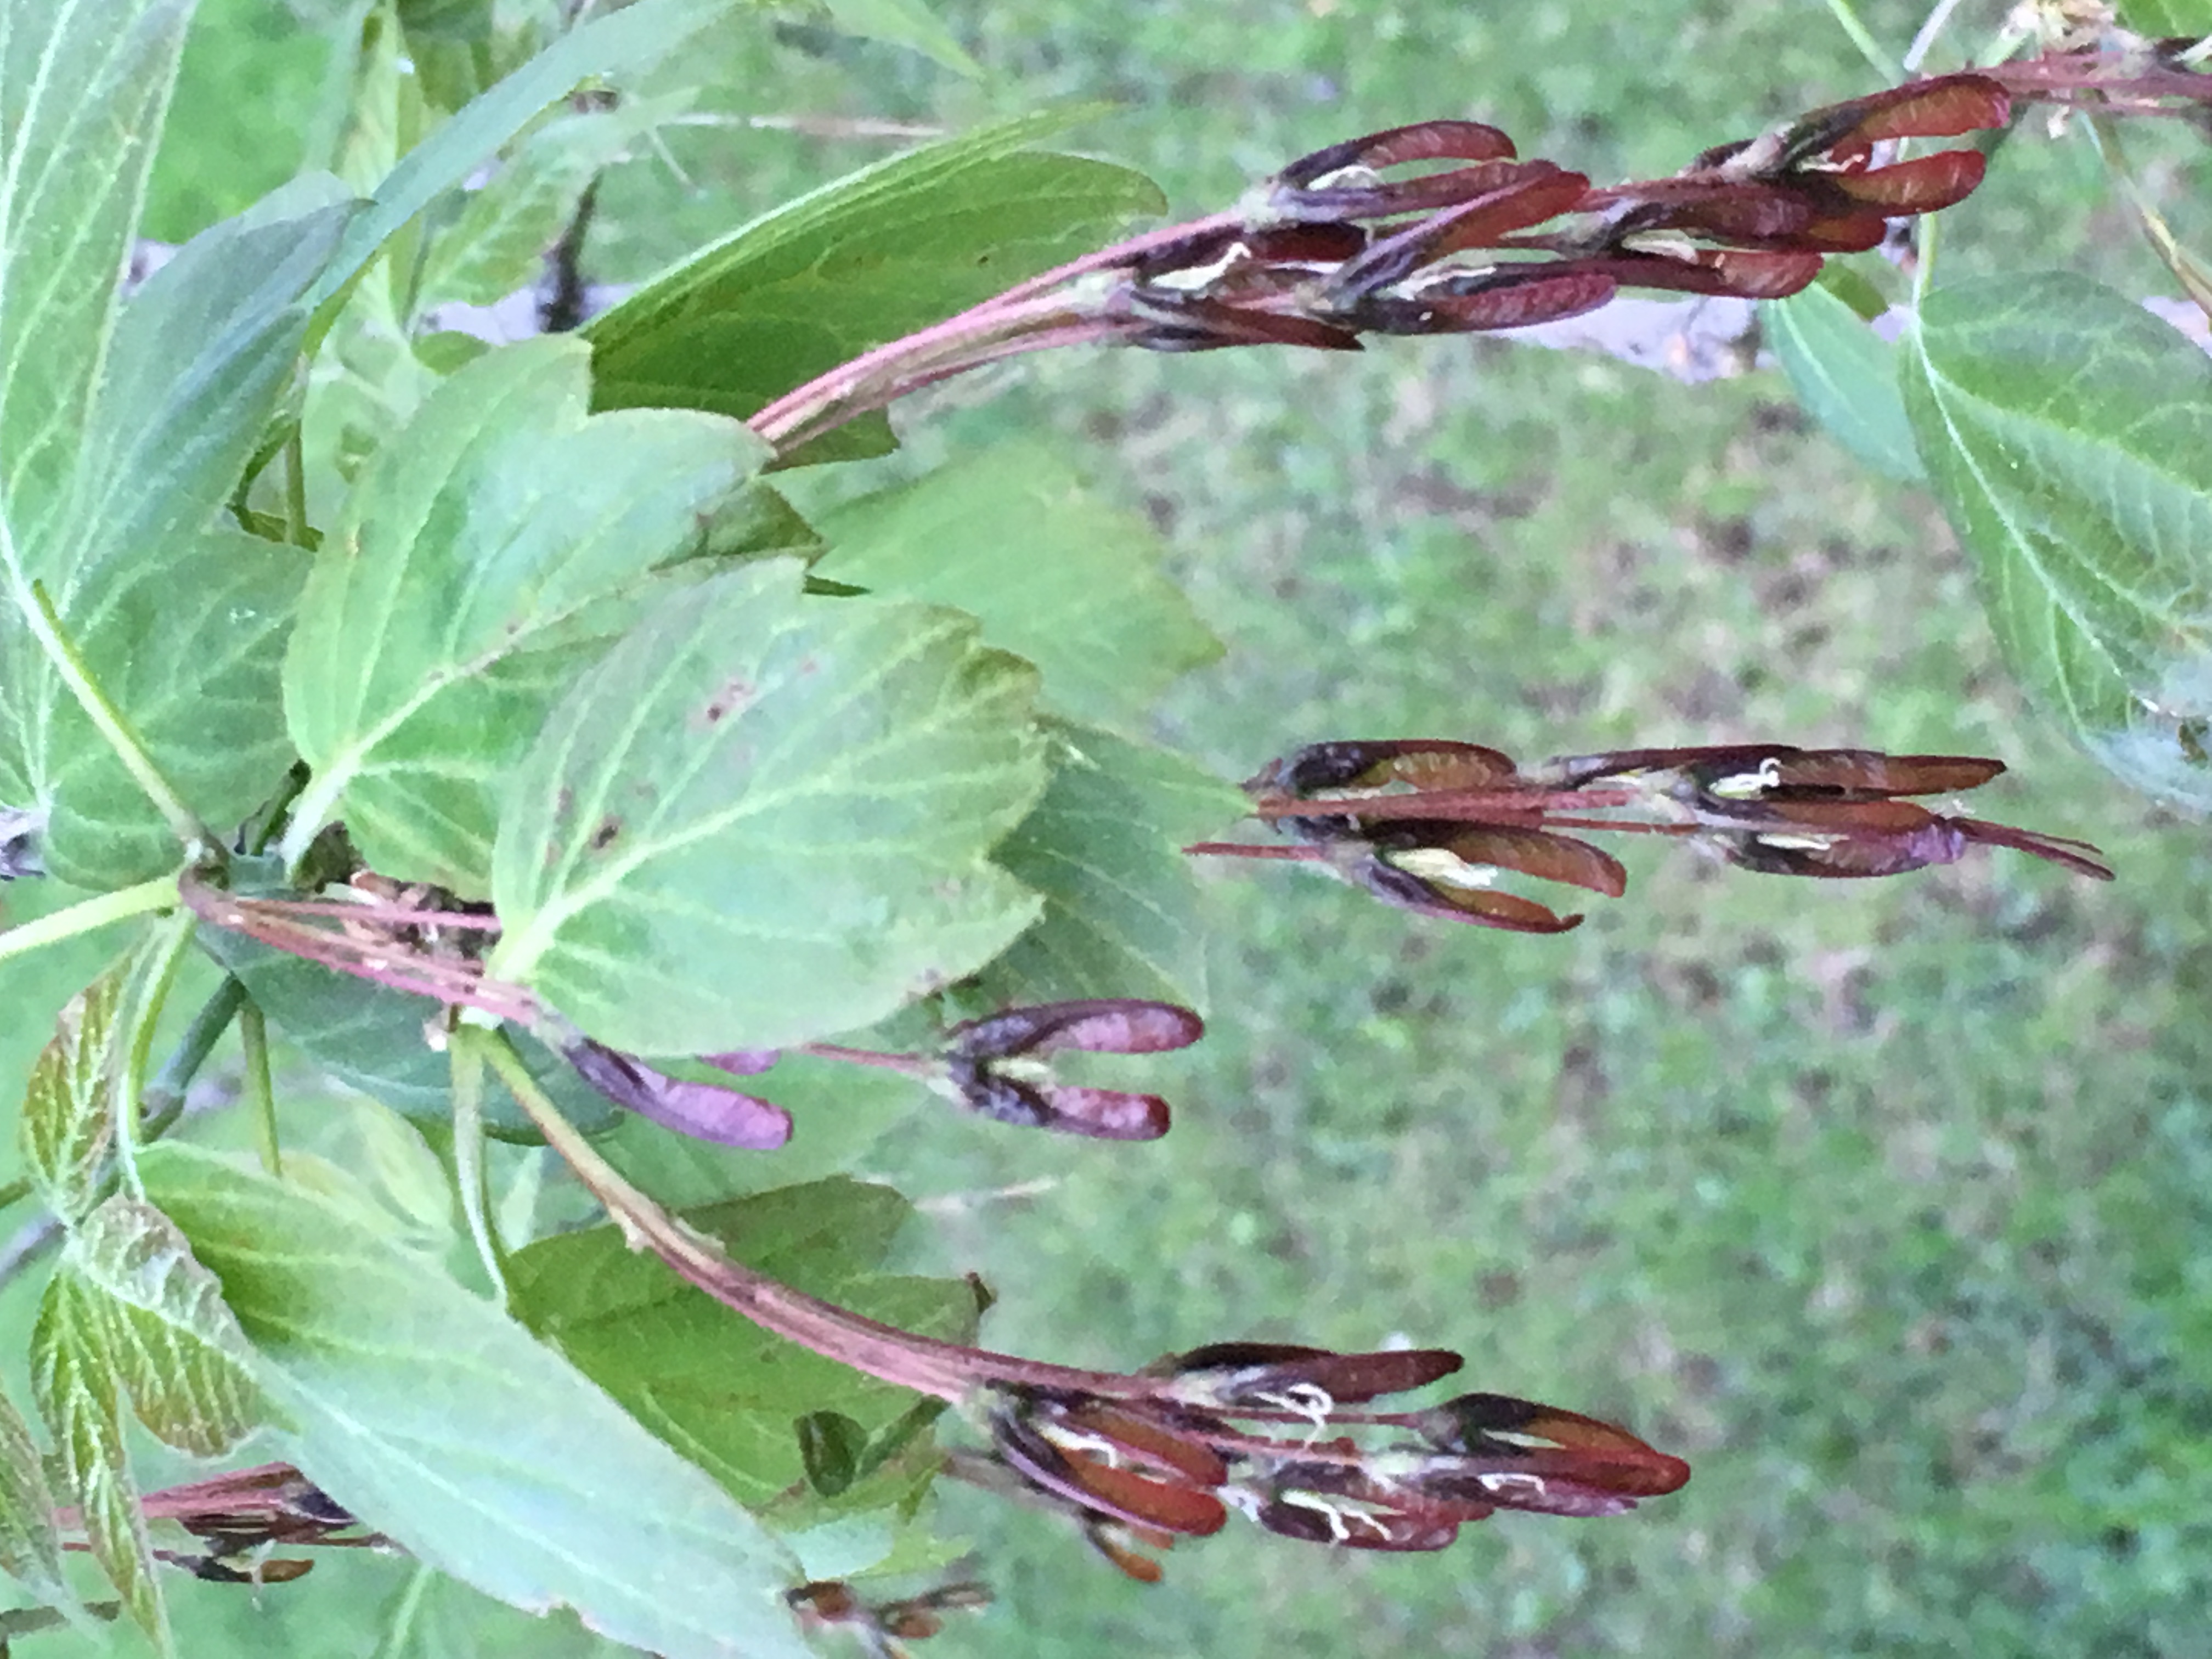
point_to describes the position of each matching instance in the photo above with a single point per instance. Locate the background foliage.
(1885, 1205)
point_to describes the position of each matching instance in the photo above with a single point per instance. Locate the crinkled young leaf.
(186, 634)
(765, 817)
(79, 1398)
(2069, 434)
(1845, 375)
(84, 86)
(475, 569)
(30, 1543)
(717, 1388)
(437, 1419)
(889, 250)
(160, 1321)
(67, 1123)
(1104, 846)
(1053, 573)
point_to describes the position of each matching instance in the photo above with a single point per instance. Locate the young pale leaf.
(186, 634)
(619, 44)
(764, 817)
(67, 1123)
(83, 87)
(1054, 574)
(160, 1320)
(374, 1039)
(909, 23)
(2069, 434)
(717, 1388)
(474, 571)
(1104, 846)
(78, 1395)
(437, 1419)
(30, 1544)
(892, 249)
(1845, 375)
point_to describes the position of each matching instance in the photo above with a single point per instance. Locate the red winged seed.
(1772, 854)
(2058, 849)
(1715, 207)
(1945, 107)
(1509, 197)
(1113, 1025)
(1106, 1114)
(1426, 762)
(1738, 273)
(1925, 184)
(1424, 141)
(1117, 1494)
(1520, 303)
(1486, 906)
(1001, 1099)
(1361, 1530)
(704, 1111)
(1541, 854)
(1152, 1444)
(1142, 1568)
(1215, 1356)
(1233, 1374)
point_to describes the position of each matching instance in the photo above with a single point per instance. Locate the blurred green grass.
(1886, 1203)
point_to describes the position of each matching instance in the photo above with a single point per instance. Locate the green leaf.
(161, 1326)
(440, 1421)
(186, 636)
(84, 86)
(79, 1397)
(1104, 846)
(2167, 17)
(30, 1543)
(68, 1121)
(907, 23)
(202, 355)
(2067, 433)
(764, 818)
(1054, 574)
(1845, 375)
(864, 261)
(179, 621)
(475, 569)
(371, 1038)
(716, 1387)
